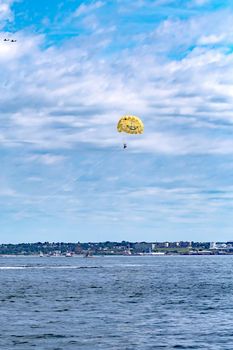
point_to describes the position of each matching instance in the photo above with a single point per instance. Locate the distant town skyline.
(88, 249)
(69, 70)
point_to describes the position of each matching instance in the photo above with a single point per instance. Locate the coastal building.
(142, 247)
(213, 245)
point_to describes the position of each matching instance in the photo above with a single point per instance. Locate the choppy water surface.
(116, 303)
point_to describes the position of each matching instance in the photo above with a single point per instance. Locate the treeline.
(36, 248)
(107, 247)
(60, 247)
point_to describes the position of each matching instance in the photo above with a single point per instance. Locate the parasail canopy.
(130, 124)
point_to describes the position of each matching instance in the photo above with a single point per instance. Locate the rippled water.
(116, 303)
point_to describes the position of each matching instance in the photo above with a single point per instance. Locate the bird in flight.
(12, 40)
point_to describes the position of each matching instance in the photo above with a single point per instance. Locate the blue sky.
(76, 68)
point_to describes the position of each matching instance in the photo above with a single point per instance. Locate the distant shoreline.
(124, 248)
(110, 255)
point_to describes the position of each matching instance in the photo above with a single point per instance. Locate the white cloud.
(60, 105)
(200, 2)
(86, 9)
(56, 98)
(47, 159)
(6, 13)
(7, 192)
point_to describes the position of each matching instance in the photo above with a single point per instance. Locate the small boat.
(68, 255)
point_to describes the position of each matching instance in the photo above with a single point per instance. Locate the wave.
(47, 267)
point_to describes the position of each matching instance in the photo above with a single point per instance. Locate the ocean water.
(133, 303)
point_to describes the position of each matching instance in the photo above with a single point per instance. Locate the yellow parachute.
(130, 124)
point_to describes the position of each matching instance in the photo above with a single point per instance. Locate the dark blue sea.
(133, 303)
